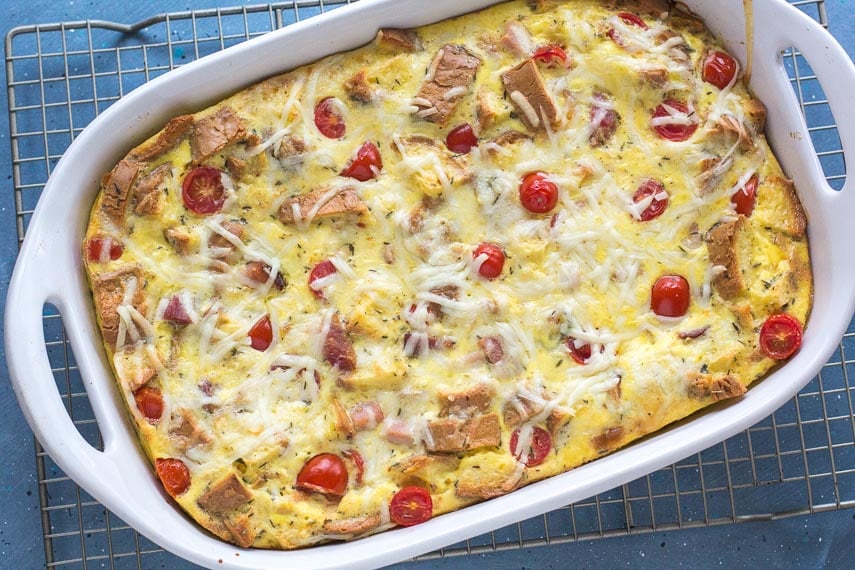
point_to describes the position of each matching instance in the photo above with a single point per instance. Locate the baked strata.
(434, 269)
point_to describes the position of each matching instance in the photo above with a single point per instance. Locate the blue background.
(805, 541)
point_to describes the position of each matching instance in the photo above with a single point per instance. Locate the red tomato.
(358, 462)
(780, 336)
(261, 334)
(173, 474)
(411, 506)
(203, 191)
(551, 55)
(176, 312)
(324, 473)
(670, 296)
(149, 403)
(630, 19)
(320, 271)
(580, 353)
(674, 131)
(744, 198)
(103, 248)
(541, 444)
(492, 266)
(366, 164)
(719, 69)
(537, 194)
(328, 120)
(651, 188)
(461, 139)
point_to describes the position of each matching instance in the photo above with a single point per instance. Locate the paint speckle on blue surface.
(178, 52)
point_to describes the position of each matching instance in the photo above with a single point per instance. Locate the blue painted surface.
(813, 541)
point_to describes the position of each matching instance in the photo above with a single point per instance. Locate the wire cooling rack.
(60, 76)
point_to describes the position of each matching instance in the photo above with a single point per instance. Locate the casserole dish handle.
(37, 281)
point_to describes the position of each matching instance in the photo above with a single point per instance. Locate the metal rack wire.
(60, 76)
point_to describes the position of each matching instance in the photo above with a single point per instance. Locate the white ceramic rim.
(49, 270)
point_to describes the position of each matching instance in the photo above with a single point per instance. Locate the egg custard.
(434, 269)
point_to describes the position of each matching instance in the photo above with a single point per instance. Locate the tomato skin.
(261, 334)
(719, 68)
(461, 139)
(780, 336)
(365, 164)
(541, 445)
(537, 194)
(551, 55)
(647, 188)
(202, 190)
(358, 462)
(328, 120)
(325, 473)
(669, 296)
(95, 249)
(174, 475)
(672, 131)
(630, 19)
(746, 197)
(320, 271)
(581, 353)
(411, 506)
(492, 266)
(150, 403)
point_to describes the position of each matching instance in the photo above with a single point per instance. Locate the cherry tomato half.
(149, 403)
(411, 506)
(580, 353)
(745, 198)
(492, 266)
(628, 18)
(328, 120)
(358, 462)
(551, 55)
(537, 193)
(324, 473)
(103, 248)
(461, 139)
(648, 188)
(541, 444)
(173, 474)
(670, 296)
(366, 164)
(719, 68)
(674, 131)
(780, 336)
(261, 334)
(203, 191)
(321, 270)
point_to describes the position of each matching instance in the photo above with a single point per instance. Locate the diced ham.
(148, 191)
(399, 39)
(225, 495)
(226, 249)
(604, 121)
(517, 39)
(211, 134)
(476, 399)
(399, 432)
(358, 88)
(492, 348)
(693, 333)
(451, 435)
(708, 387)
(338, 350)
(110, 290)
(355, 525)
(176, 312)
(173, 133)
(116, 186)
(345, 201)
(528, 93)
(450, 76)
(366, 415)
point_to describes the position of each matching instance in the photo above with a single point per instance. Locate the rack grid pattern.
(60, 76)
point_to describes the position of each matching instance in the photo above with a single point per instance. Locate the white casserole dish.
(49, 270)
